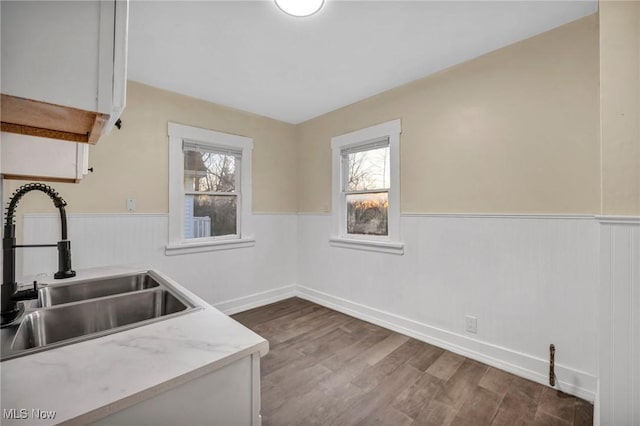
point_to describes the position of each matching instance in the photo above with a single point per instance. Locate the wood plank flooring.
(327, 368)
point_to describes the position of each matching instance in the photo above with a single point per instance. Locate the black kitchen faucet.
(10, 294)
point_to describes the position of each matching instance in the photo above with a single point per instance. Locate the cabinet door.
(50, 51)
(63, 67)
(120, 52)
(220, 398)
(32, 158)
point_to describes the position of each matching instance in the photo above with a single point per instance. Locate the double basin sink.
(69, 313)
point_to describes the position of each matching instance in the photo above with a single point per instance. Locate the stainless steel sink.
(67, 293)
(71, 313)
(46, 326)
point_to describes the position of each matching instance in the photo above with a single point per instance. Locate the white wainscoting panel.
(529, 281)
(619, 323)
(96, 240)
(224, 277)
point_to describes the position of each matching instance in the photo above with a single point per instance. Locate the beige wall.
(133, 161)
(516, 130)
(620, 114)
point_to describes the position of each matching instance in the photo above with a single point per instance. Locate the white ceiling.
(251, 56)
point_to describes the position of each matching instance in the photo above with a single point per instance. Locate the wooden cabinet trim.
(39, 178)
(35, 118)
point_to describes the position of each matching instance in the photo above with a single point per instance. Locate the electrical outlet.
(131, 204)
(471, 324)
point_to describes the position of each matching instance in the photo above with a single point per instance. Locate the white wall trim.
(245, 303)
(97, 215)
(604, 219)
(624, 220)
(207, 135)
(372, 132)
(274, 213)
(201, 247)
(502, 216)
(575, 382)
(368, 245)
(485, 215)
(596, 405)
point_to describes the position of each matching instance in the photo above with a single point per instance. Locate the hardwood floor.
(327, 368)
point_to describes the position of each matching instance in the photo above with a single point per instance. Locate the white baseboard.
(569, 380)
(245, 303)
(574, 382)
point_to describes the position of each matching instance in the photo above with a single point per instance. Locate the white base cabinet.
(229, 396)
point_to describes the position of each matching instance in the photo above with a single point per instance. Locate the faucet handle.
(42, 276)
(64, 261)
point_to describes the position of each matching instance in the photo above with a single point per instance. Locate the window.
(365, 188)
(209, 190)
(366, 183)
(211, 177)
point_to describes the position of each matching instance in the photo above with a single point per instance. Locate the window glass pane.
(368, 170)
(208, 171)
(209, 215)
(367, 214)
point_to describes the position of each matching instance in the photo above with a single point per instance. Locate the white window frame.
(179, 133)
(390, 243)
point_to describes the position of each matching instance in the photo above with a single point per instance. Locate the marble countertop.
(87, 381)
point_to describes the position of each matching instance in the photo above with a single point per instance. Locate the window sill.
(368, 245)
(200, 247)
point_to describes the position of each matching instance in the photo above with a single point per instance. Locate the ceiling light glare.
(299, 8)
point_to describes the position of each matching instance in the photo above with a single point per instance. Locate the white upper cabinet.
(63, 67)
(33, 158)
